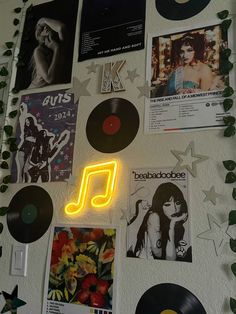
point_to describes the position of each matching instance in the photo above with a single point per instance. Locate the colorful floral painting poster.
(45, 137)
(80, 270)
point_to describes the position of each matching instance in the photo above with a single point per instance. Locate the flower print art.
(80, 272)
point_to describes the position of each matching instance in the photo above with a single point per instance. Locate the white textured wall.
(208, 276)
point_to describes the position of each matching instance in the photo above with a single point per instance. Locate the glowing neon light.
(101, 200)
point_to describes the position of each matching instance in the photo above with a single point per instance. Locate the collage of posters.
(158, 227)
(183, 69)
(80, 272)
(45, 137)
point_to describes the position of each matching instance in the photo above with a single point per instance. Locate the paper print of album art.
(80, 274)
(159, 218)
(187, 77)
(45, 137)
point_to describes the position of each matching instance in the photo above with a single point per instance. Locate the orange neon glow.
(110, 169)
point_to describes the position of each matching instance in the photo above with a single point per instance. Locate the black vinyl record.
(169, 298)
(180, 9)
(30, 214)
(112, 125)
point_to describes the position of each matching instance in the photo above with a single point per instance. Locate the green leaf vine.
(230, 130)
(9, 145)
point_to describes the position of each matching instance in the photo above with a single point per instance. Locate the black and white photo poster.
(47, 45)
(159, 218)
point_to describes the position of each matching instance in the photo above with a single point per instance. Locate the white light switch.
(19, 260)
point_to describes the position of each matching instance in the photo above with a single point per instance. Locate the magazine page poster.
(47, 45)
(159, 215)
(45, 137)
(186, 77)
(81, 270)
(111, 27)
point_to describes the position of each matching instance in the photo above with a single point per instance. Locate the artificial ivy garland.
(230, 165)
(10, 140)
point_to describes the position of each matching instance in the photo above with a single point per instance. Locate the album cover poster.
(158, 224)
(45, 137)
(81, 270)
(47, 44)
(186, 77)
(111, 27)
(3, 100)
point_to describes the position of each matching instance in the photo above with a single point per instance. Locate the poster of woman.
(188, 62)
(159, 220)
(186, 78)
(81, 272)
(46, 50)
(45, 137)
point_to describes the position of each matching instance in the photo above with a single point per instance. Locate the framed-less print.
(81, 270)
(45, 136)
(111, 27)
(159, 215)
(47, 45)
(185, 72)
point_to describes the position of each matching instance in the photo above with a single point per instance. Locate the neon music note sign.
(110, 169)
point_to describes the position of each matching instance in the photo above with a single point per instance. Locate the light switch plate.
(19, 260)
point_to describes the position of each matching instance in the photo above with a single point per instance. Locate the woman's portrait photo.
(160, 229)
(187, 62)
(46, 51)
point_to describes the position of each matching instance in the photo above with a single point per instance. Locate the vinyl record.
(168, 298)
(30, 214)
(180, 9)
(112, 125)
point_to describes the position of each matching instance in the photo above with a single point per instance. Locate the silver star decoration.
(188, 159)
(132, 75)
(72, 180)
(218, 233)
(79, 89)
(211, 195)
(92, 68)
(144, 90)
